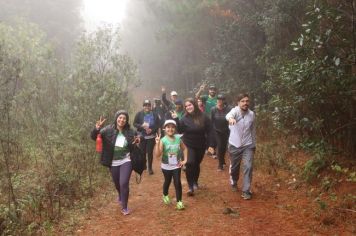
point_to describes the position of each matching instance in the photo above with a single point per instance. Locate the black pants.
(147, 146)
(168, 174)
(221, 141)
(192, 172)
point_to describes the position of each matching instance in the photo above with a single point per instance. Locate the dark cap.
(178, 102)
(146, 102)
(221, 97)
(212, 86)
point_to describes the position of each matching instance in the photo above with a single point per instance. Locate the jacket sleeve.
(138, 122)
(253, 131)
(157, 122)
(94, 133)
(165, 101)
(231, 114)
(209, 133)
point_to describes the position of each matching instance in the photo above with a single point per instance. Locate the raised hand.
(158, 138)
(136, 140)
(163, 89)
(211, 150)
(174, 114)
(100, 122)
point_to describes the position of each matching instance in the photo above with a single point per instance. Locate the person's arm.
(253, 132)
(185, 153)
(201, 89)
(94, 133)
(165, 101)
(231, 116)
(158, 148)
(209, 134)
(138, 122)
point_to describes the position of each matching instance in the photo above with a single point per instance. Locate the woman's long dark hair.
(122, 112)
(197, 115)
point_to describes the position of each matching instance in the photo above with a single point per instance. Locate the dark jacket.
(195, 136)
(218, 119)
(109, 134)
(138, 121)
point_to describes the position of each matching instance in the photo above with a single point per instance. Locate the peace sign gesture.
(174, 114)
(158, 138)
(100, 122)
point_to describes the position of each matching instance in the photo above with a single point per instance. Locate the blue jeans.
(246, 155)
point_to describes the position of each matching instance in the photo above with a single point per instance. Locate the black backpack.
(138, 162)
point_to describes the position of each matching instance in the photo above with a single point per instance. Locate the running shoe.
(125, 212)
(180, 205)
(195, 186)
(234, 188)
(166, 200)
(246, 195)
(190, 193)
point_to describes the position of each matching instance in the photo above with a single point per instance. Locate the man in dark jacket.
(147, 123)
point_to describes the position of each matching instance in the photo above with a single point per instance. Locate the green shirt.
(121, 147)
(209, 103)
(170, 150)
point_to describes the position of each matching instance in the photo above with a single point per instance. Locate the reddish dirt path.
(274, 209)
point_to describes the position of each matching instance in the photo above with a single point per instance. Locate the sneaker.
(195, 186)
(180, 205)
(220, 169)
(214, 156)
(166, 200)
(190, 193)
(234, 188)
(125, 212)
(246, 195)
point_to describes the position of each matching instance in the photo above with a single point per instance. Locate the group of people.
(180, 133)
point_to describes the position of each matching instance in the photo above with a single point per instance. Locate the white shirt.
(243, 133)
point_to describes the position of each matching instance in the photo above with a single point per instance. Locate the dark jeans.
(121, 177)
(221, 141)
(192, 172)
(168, 174)
(147, 146)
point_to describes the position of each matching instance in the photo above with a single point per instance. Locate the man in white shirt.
(242, 144)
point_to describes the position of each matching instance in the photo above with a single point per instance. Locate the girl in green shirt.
(168, 149)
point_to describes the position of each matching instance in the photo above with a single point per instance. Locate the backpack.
(138, 162)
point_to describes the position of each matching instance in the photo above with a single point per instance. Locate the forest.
(296, 59)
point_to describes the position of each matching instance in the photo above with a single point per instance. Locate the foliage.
(48, 109)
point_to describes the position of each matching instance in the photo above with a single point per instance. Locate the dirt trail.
(274, 209)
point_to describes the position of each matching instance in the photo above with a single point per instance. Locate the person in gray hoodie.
(242, 143)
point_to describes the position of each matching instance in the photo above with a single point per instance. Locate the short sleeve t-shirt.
(209, 103)
(121, 151)
(171, 148)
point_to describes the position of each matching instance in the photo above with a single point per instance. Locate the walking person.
(242, 143)
(169, 105)
(208, 100)
(167, 149)
(197, 133)
(221, 128)
(147, 123)
(118, 141)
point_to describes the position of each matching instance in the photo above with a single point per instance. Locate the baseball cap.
(146, 102)
(221, 97)
(212, 86)
(169, 122)
(178, 102)
(174, 93)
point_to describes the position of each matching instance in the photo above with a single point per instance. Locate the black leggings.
(147, 146)
(192, 172)
(168, 174)
(221, 140)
